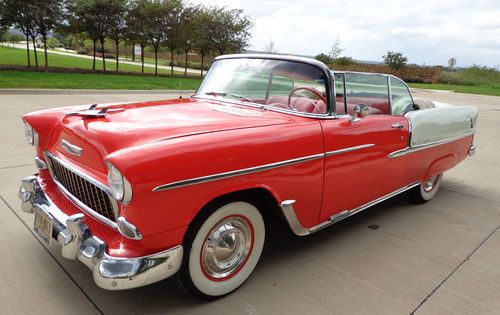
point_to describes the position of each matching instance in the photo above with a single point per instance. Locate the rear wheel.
(426, 190)
(221, 249)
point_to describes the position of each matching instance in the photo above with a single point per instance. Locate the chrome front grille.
(95, 198)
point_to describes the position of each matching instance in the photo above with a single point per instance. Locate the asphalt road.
(395, 258)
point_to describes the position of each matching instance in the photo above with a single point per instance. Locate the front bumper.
(77, 242)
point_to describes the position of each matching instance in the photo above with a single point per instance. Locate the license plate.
(43, 225)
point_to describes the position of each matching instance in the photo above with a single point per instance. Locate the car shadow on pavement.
(281, 246)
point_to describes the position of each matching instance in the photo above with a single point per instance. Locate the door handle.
(397, 126)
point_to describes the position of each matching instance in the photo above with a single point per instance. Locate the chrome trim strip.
(244, 171)
(75, 200)
(71, 148)
(265, 167)
(350, 149)
(299, 230)
(429, 145)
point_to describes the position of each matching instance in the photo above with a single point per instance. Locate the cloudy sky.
(426, 31)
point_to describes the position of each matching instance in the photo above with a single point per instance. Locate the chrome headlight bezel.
(118, 185)
(30, 134)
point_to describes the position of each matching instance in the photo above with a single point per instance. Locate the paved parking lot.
(439, 258)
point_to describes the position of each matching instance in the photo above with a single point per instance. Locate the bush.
(106, 55)
(192, 65)
(11, 37)
(475, 75)
(53, 42)
(324, 58)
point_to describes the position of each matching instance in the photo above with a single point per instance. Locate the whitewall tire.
(426, 190)
(222, 249)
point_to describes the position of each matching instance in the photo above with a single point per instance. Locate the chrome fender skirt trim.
(299, 230)
(77, 243)
(413, 149)
(260, 168)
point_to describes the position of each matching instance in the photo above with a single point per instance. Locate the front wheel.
(221, 249)
(426, 190)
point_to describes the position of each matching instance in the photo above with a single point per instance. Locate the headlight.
(118, 186)
(30, 134)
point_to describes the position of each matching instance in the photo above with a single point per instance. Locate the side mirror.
(361, 110)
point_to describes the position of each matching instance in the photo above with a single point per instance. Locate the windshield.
(275, 83)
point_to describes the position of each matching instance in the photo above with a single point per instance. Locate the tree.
(336, 50)
(94, 18)
(155, 25)
(230, 29)
(269, 48)
(21, 15)
(116, 25)
(395, 60)
(4, 19)
(136, 20)
(202, 39)
(81, 20)
(47, 16)
(324, 58)
(187, 29)
(172, 27)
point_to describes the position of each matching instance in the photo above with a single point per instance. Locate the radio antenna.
(180, 89)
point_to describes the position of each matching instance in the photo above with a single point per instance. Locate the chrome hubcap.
(430, 183)
(227, 247)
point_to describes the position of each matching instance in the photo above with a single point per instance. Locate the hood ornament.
(92, 111)
(71, 148)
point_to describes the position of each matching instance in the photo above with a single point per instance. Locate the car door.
(357, 167)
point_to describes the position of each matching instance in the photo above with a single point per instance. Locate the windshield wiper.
(243, 97)
(215, 93)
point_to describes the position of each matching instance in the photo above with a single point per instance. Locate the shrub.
(53, 42)
(324, 58)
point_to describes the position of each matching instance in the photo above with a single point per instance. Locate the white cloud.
(427, 31)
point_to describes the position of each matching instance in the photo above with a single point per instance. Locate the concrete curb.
(87, 92)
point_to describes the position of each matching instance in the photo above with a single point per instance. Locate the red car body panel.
(148, 143)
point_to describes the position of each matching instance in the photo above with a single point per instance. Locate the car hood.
(127, 125)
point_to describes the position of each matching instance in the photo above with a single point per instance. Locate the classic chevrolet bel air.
(139, 192)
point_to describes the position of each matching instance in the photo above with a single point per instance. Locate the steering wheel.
(312, 90)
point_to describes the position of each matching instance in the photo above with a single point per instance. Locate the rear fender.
(440, 165)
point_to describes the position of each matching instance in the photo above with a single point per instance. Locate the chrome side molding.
(297, 228)
(420, 147)
(350, 149)
(244, 171)
(260, 168)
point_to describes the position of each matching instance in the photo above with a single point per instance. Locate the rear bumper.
(77, 243)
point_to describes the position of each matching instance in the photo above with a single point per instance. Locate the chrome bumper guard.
(472, 150)
(110, 273)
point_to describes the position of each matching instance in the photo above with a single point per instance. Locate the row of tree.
(173, 24)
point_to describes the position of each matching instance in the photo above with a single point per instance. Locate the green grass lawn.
(15, 56)
(52, 80)
(485, 89)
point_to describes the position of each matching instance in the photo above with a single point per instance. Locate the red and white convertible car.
(139, 192)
